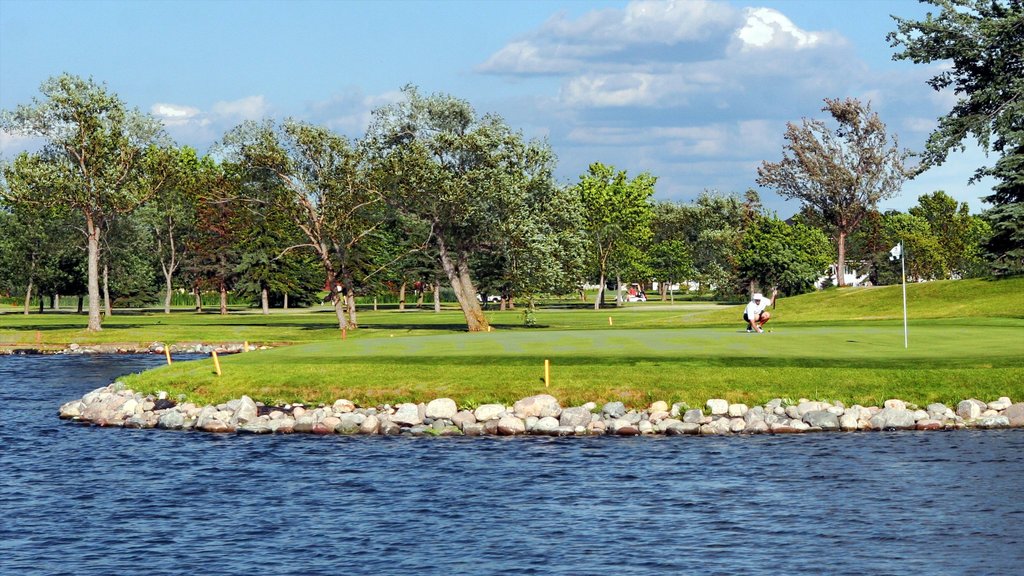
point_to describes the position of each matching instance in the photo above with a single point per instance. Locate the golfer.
(755, 314)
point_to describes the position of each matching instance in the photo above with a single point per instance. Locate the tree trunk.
(401, 297)
(456, 267)
(168, 286)
(42, 303)
(583, 295)
(28, 297)
(92, 231)
(599, 299)
(437, 297)
(419, 298)
(223, 297)
(106, 290)
(618, 290)
(265, 300)
(841, 264)
(56, 302)
(350, 305)
(285, 300)
(81, 303)
(374, 303)
(199, 298)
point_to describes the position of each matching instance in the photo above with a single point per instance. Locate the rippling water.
(82, 500)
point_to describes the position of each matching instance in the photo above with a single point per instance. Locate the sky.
(694, 92)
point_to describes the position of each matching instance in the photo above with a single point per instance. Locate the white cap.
(758, 296)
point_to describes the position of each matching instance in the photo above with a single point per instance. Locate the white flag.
(896, 252)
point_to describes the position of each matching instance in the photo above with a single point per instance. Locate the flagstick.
(903, 267)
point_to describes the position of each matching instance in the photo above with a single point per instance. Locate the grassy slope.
(838, 345)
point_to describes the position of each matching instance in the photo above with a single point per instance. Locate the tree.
(617, 215)
(790, 257)
(97, 160)
(959, 235)
(671, 263)
(316, 178)
(464, 177)
(924, 256)
(841, 173)
(714, 232)
(983, 42)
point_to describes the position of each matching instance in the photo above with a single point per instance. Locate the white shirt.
(755, 308)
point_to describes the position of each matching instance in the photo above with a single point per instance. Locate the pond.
(79, 500)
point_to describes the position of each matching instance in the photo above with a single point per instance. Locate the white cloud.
(248, 108)
(769, 29)
(176, 115)
(13, 144)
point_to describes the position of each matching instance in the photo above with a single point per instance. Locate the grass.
(966, 340)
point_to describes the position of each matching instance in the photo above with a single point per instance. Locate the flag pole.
(903, 267)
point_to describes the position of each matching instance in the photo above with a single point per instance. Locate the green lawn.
(965, 341)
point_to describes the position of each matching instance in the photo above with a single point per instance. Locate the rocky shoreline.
(540, 415)
(122, 348)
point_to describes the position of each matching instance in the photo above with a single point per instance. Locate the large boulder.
(1015, 415)
(970, 409)
(893, 419)
(576, 416)
(541, 406)
(511, 426)
(614, 410)
(822, 419)
(486, 412)
(441, 409)
(245, 411)
(718, 407)
(407, 415)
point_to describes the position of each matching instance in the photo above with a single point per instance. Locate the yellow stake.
(216, 362)
(610, 321)
(167, 352)
(547, 372)
(245, 347)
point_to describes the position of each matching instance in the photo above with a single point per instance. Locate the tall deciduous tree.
(788, 256)
(843, 173)
(958, 234)
(97, 159)
(983, 43)
(461, 175)
(317, 179)
(617, 215)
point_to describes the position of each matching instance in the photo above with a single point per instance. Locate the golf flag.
(896, 252)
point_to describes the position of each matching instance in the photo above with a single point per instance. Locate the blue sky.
(695, 92)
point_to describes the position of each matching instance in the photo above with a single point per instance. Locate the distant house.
(851, 276)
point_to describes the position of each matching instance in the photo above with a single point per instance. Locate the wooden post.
(216, 362)
(610, 321)
(167, 353)
(547, 372)
(245, 346)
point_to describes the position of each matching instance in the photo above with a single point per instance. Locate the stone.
(486, 412)
(658, 406)
(530, 422)
(1001, 404)
(596, 426)
(645, 427)
(1015, 415)
(619, 423)
(245, 411)
(441, 408)
(718, 407)
(370, 425)
(792, 412)
(172, 420)
(545, 425)
(541, 405)
(656, 417)
(72, 409)
(895, 404)
(693, 416)
(849, 422)
(970, 409)
(389, 428)
(893, 419)
(511, 426)
(666, 423)
(737, 410)
(473, 429)
(805, 407)
(737, 425)
(822, 419)
(783, 428)
(754, 414)
(578, 416)
(920, 415)
(462, 418)
(936, 410)
(343, 406)
(614, 409)
(757, 427)
(628, 430)
(255, 426)
(683, 428)
(407, 415)
(994, 422)
(928, 424)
